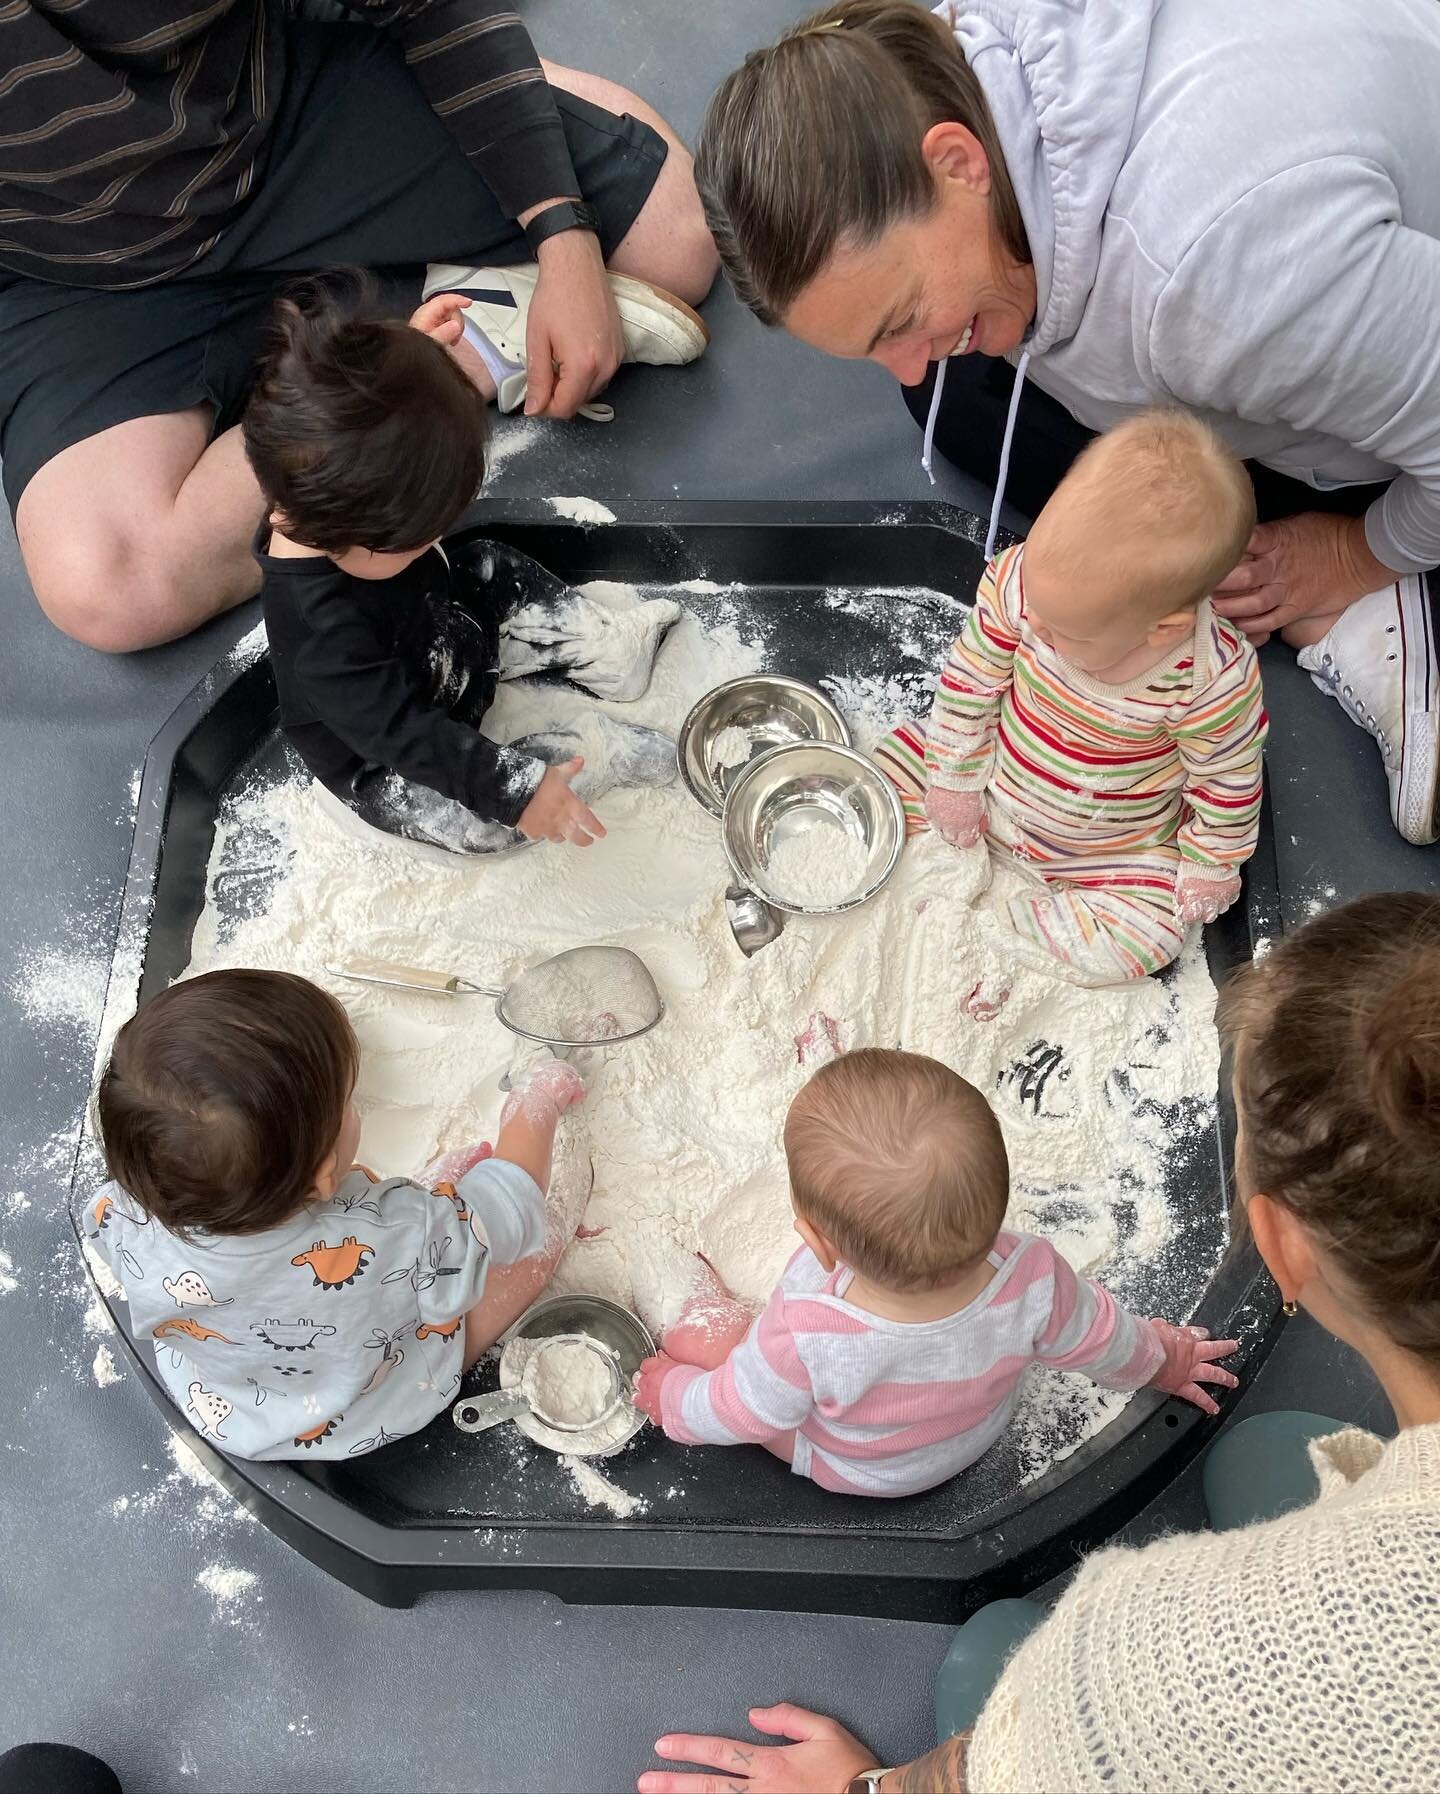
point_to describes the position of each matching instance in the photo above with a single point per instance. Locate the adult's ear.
(955, 153)
(1283, 1243)
(818, 1244)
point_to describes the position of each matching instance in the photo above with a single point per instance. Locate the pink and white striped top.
(881, 1407)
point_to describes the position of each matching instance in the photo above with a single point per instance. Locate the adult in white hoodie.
(1219, 204)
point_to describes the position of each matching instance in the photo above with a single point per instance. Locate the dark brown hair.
(900, 1164)
(1335, 1041)
(363, 432)
(815, 142)
(223, 1097)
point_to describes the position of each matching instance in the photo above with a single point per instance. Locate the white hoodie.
(1234, 205)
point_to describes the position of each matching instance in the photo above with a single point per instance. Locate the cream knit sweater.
(1302, 1654)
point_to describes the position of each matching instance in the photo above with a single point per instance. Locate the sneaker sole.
(1413, 812)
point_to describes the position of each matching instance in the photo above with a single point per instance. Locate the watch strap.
(564, 215)
(867, 1782)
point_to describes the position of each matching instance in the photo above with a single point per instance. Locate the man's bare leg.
(668, 243)
(141, 533)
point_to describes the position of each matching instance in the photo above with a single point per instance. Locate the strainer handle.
(478, 1413)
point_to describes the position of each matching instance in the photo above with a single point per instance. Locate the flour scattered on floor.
(582, 510)
(8, 1280)
(105, 1369)
(17, 1203)
(598, 1491)
(510, 439)
(230, 1589)
(1100, 1095)
(59, 985)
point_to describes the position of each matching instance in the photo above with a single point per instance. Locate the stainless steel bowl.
(801, 787)
(624, 1333)
(769, 710)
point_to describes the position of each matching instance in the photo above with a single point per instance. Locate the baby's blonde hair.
(900, 1164)
(1174, 505)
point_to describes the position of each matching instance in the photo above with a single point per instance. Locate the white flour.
(582, 510)
(731, 747)
(105, 1369)
(816, 867)
(570, 1382)
(597, 1441)
(1096, 1092)
(596, 1490)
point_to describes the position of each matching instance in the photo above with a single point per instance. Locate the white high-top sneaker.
(1378, 663)
(660, 330)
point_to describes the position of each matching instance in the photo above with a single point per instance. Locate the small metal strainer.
(478, 1413)
(583, 997)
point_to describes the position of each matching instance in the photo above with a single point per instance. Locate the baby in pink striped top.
(890, 1356)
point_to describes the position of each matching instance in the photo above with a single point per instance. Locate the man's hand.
(823, 1759)
(1308, 566)
(573, 341)
(556, 814)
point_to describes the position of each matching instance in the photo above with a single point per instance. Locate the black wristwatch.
(565, 214)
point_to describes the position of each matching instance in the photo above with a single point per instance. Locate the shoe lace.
(1349, 701)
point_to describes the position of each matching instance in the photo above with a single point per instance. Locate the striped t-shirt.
(1172, 758)
(132, 134)
(882, 1407)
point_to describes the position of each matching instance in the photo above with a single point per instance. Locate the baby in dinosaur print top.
(297, 1307)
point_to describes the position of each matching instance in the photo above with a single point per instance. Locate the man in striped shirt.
(167, 165)
(1096, 722)
(891, 1355)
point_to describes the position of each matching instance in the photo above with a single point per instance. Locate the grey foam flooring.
(112, 1637)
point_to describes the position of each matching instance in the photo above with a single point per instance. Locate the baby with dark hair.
(281, 1285)
(367, 439)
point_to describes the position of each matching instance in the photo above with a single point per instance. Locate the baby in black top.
(367, 440)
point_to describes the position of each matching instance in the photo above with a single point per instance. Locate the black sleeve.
(479, 70)
(367, 698)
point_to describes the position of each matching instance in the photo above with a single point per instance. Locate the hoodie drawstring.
(1004, 471)
(1004, 474)
(935, 398)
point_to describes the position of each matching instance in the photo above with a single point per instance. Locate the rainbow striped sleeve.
(960, 736)
(1221, 743)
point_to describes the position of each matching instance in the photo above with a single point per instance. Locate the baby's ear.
(1171, 629)
(817, 1243)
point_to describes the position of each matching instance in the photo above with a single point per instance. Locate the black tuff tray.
(724, 1527)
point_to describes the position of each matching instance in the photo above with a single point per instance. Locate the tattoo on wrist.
(942, 1772)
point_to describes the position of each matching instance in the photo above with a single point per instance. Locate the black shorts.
(359, 171)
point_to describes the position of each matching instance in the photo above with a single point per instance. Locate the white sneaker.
(1378, 663)
(660, 330)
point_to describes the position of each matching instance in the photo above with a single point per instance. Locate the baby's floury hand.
(1203, 899)
(956, 816)
(450, 1167)
(556, 814)
(648, 1379)
(1189, 1361)
(553, 1085)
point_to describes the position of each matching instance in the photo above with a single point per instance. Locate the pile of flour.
(816, 867)
(1097, 1092)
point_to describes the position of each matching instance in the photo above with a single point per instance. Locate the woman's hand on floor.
(1311, 566)
(822, 1759)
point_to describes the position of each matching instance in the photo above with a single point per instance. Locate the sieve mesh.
(583, 997)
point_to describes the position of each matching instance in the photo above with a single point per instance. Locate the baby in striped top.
(1096, 720)
(891, 1354)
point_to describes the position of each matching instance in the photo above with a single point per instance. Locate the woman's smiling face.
(929, 287)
